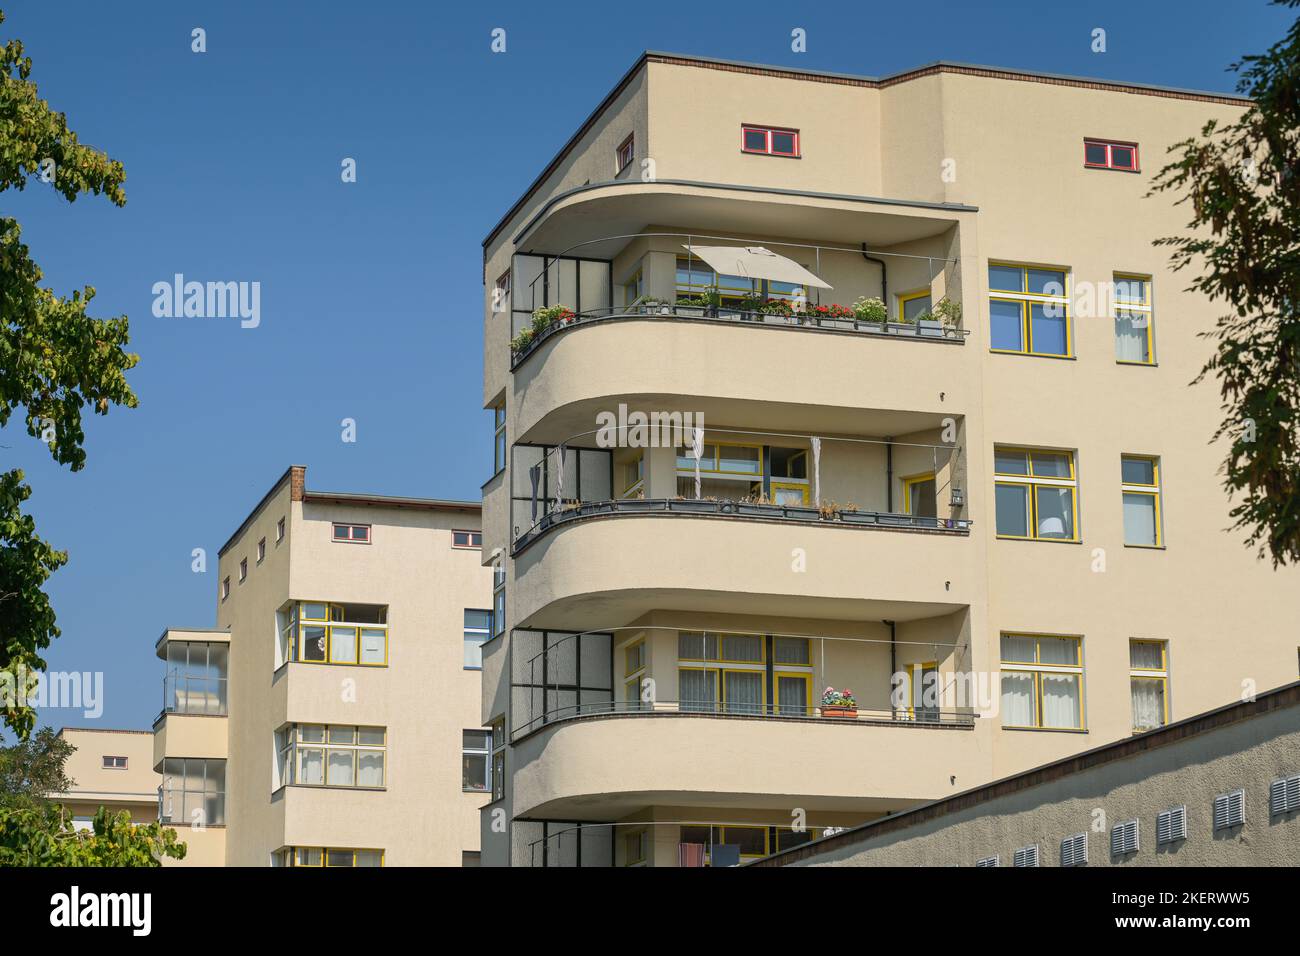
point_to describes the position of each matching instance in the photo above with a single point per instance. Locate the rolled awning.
(755, 262)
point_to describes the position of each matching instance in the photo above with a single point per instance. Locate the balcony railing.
(205, 696)
(812, 319)
(736, 509)
(918, 717)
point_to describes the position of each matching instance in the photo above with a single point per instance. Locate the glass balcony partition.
(196, 678)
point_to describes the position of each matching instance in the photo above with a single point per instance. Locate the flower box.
(838, 711)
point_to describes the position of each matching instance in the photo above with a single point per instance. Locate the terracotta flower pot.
(838, 710)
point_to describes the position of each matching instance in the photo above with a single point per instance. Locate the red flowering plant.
(831, 312)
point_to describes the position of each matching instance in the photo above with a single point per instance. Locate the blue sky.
(370, 291)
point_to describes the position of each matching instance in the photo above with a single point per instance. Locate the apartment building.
(807, 383)
(331, 716)
(112, 769)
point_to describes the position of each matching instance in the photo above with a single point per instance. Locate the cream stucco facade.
(324, 719)
(111, 769)
(622, 718)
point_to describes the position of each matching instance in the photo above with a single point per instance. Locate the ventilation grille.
(1230, 809)
(1074, 850)
(1026, 856)
(1284, 795)
(989, 861)
(1124, 837)
(1171, 825)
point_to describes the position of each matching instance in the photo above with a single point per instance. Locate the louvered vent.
(1171, 825)
(1284, 795)
(1026, 856)
(1230, 809)
(989, 861)
(1124, 837)
(1074, 850)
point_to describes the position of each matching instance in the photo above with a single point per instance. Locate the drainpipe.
(889, 474)
(884, 278)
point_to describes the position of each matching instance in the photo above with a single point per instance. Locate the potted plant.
(839, 703)
(828, 511)
(748, 307)
(551, 315)
(871, 310)
(927, 323)
(706, 303)
(521, 341)
(759, 504)
(833, 316)
(948, 313)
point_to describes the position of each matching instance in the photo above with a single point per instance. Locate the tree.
(44, 836)
(54, 359)
(1243, 182)
(31, 771)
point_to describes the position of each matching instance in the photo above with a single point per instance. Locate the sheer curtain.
(1148, 702)
(1130, 337)
(1060, 700)
(792, 695)
(697, 689)
(1017, 700)
(744, 692)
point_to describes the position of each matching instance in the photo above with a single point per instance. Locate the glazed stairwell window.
(1135, 342)
(1141, 490)
(1036, 494)
(1042, 682)
(1029, 310)
(316, 632)
(1149, 683)
(331, 755)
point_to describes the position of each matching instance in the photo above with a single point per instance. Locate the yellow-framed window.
(753, 841)
(1140, 488)
(722, 647)
(1029, 310)
(1035, 493)
(634, 657)
(912, 305)
(1135, 342)
(793, 691)
(1149, 683)
(723, 458)
(1042, 681)
(695, 277)
(920, 495)
(789, 493)
(321, 633)
(336, 755)
(922, 690)
(315, 856)
(787, 838)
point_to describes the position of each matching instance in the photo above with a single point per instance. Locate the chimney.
(297, 481)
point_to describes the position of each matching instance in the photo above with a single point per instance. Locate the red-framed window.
(1110, 154)
(769, 140)
(626, 150)
(355, 533)
(467, 539)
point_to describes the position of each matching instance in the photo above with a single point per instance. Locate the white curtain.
(1148, 702)
(559, 475)
(1060, 700)
(744, 692)
(1139, 519)
(792, 695)
(370, 769)
(339, 769)
(817, 472)
(1017, 700)
(1130, 337)
(697, 690)
(697, 452)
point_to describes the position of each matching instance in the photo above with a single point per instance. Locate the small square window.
(769, 140)
(783, 142)
(114, 763)
(626, 151)
(756, 140)
(1108, 154)
(467, 539)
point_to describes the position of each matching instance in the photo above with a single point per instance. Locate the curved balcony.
(590, 569)
(604, 767)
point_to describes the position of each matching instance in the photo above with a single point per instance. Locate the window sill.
(1012, 537)
(757, 152)
(1042, 355)
(328, 786)
(1147, 547)
(1138, 364)
(479, 668)
(1050, 730)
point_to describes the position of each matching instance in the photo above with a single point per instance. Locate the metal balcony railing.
(921, 716)
(813, 319)
(736, 509)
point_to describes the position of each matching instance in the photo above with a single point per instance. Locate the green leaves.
(1242, 182)
(44, 836)
(54, 359)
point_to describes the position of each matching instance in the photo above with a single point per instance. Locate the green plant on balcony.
(550, 315)
(948, 312)
(777, 307)
(870, 309)
(522, 340)
(839, 703)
